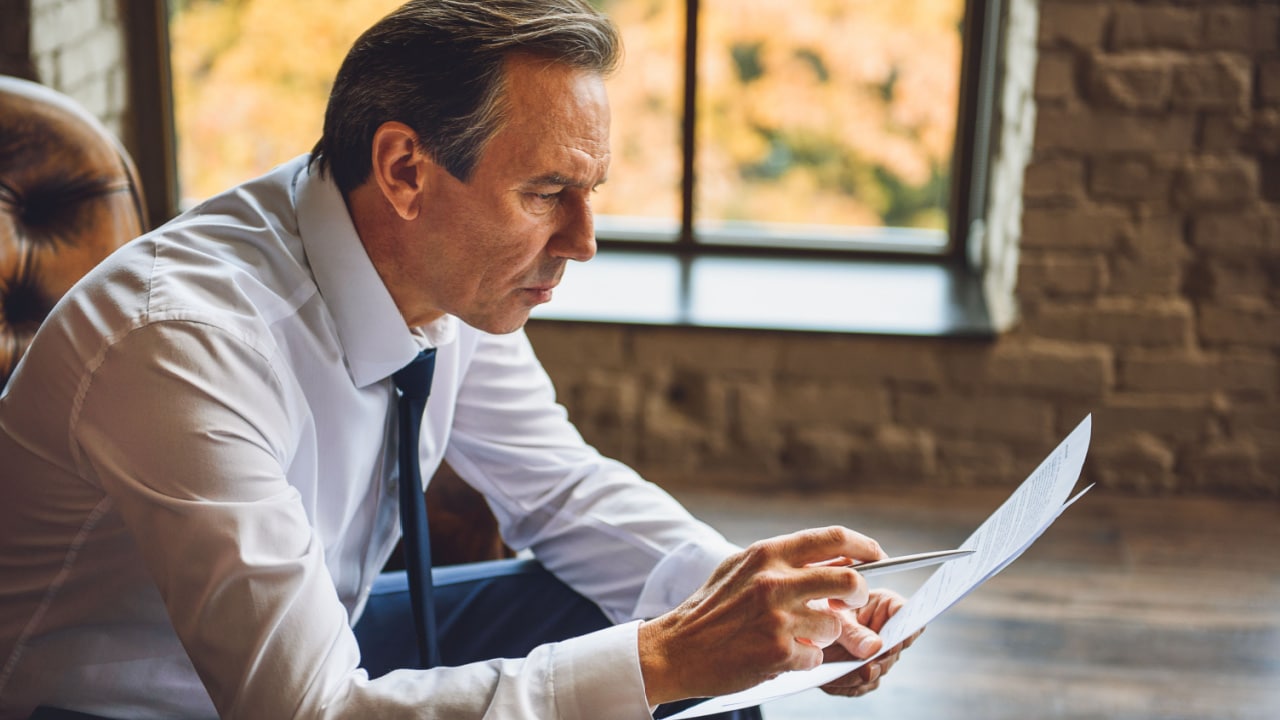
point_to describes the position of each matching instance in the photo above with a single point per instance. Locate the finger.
(881, 605)
(804, 657)
(822, 544)
(852, 680)
(817, 628)
(826, 583)
(851, 690)
(861, 642)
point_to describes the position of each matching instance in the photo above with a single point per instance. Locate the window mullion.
(688, 142)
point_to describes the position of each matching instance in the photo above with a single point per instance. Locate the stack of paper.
(997, 542)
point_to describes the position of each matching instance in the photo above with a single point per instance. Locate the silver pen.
(908, 562)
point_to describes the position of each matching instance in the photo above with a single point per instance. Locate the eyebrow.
(555, 178)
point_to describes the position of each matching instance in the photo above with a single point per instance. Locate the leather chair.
(69, 196)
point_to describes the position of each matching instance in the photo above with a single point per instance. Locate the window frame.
(968, 176)
(152, 100)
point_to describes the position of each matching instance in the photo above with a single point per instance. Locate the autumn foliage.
(838, 112)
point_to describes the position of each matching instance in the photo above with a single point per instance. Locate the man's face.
(496, 245)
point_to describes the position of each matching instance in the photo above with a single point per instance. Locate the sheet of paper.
(1001, 538)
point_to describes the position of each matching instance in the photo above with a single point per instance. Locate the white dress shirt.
(196, 489)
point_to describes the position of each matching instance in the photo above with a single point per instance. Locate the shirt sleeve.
(612, 536)
(187, 428)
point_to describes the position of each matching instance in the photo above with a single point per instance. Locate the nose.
(575, 239)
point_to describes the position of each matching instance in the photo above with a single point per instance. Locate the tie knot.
(414, 380)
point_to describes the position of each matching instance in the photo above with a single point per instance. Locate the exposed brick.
(1218, 82)
(91, 57)
(694, 394)
(1055, 77)
(965, 462)
(1252, 132)
(1155, 234)
(1114, 132)
(1147, 275)
(846, 405)
(1222, 133)
(1247, 235)
(61, 24)
(1133, 461)
(1247, 321)
(1061, 275)
(817, 452)
(1257, 421)
(1059, 180)
(1227, 466)
(1116, 321)
(1249, 373)
(1180, 417)
(1244, 28)
(707, 350)
(997, 418)
(1167, 371)
(895, 455)
(1152, 261)
(1129, 178)
(671, 440)
(1072, 24)
(1086, 228)
(1269, 82)
(606, 402)
(1039, 367)
(1216, 183)
(566, 344)
(1217, 280)
(862, 360)
(1269, 177)
(1130, 82)
(1155, 26)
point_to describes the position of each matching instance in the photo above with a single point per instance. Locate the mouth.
(539, 294)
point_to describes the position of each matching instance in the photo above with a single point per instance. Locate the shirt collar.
(374, 337)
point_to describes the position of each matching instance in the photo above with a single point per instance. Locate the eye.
(542, 202)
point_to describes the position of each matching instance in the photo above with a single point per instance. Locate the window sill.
(854, 295)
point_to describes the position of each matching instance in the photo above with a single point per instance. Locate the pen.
(902, 562)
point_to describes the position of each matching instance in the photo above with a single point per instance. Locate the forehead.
(556, 120)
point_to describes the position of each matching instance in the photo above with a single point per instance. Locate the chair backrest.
(69, 196)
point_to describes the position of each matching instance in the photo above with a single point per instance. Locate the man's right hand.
(752, 620)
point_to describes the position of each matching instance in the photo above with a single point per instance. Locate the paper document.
(1001, 538)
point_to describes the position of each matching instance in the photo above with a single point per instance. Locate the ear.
(401, 169)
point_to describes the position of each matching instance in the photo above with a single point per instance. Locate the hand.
(751, 621)
(860, 640)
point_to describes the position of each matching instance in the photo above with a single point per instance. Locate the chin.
(502, 325)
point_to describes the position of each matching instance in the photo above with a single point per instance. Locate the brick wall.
(1147, 285)
(77, 47)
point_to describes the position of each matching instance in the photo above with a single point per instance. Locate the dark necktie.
(414, 383)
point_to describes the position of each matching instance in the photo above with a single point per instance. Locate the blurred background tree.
(831, 112)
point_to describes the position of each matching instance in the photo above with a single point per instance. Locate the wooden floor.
(1125, 608)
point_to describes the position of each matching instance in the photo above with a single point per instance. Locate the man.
(198, 492)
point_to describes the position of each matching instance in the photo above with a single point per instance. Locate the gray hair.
(438, 67)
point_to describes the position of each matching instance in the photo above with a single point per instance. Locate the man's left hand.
(860, 640)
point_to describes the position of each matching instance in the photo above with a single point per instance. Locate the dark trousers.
(483, 611)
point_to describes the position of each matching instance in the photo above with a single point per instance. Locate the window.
(814, 123)
(744, 132)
